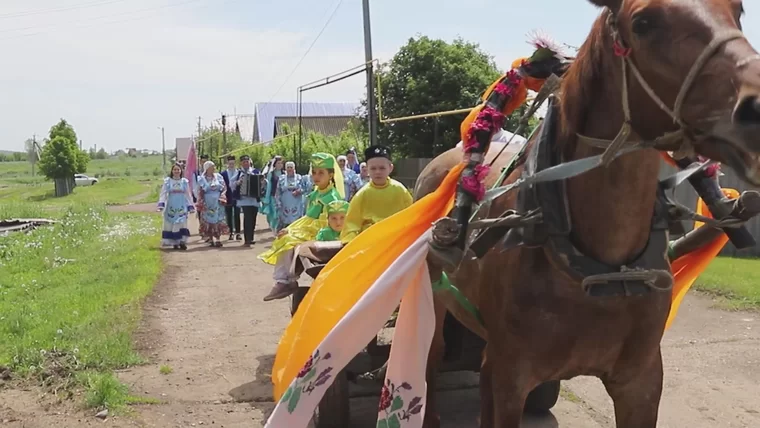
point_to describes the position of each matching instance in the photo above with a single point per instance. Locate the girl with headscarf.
(272, 171)
(328, 180)
(211, 200)
(289, 196)
(176, 202)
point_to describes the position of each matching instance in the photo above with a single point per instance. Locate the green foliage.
(61, 157)
(64, 130)
(312, 142)
(216, 143)
(13, 157)
(427, 76)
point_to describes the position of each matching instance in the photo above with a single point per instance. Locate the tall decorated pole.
(500, 99)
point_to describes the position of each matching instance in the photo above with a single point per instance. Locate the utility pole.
(80, 145)
(34, 152)
(224, 133)
(371, 105)
(163, 147)
(198, 150)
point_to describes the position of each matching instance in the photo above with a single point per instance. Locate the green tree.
(60, 158)
(63, 129)
(431, 75)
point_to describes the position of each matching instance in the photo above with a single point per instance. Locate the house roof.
(322, 125)
(266, 113)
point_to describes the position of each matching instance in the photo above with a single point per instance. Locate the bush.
(312, 142)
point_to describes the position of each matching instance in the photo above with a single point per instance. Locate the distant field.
(121, 180)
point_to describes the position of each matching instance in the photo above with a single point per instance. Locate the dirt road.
(207, 323)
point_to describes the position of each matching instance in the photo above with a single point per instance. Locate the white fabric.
(282, 269)
(206, 166)
(408, 277)
(502, 137)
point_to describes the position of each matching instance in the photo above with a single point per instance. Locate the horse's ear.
(611, 4)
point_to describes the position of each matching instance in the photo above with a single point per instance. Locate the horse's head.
(692, 60)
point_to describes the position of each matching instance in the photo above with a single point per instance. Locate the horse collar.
(650, 271)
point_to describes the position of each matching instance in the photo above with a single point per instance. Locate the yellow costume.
(372, 204)
(306, 228)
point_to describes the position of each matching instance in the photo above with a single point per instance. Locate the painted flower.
(385, 398)
(306, 368)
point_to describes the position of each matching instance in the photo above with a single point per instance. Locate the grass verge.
(70, 297)
(114, 191)
(735, 282)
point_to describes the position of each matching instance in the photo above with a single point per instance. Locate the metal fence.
(407, 171)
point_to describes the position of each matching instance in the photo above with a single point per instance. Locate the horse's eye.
(641, 25)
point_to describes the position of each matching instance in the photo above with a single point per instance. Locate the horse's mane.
(582, 81)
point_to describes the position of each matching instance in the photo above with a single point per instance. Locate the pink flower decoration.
(473, 184)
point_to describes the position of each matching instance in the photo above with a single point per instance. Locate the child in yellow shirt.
(380, 199)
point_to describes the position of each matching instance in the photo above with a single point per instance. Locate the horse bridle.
(685, 134)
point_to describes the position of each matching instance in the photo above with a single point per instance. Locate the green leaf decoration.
(287, 394)
(397, 404)
(382, 423)
(393, 422)
(310, 375)
(293, 402)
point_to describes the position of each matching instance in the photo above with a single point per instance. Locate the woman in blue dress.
(289, 197)
(211, 199)
(176, 202)
(273, 172)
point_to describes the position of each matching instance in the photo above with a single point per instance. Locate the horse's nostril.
(748, 111)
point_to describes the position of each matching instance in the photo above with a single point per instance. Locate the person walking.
(248, 205)
(231, 210)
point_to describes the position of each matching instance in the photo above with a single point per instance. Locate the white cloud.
(116, 83)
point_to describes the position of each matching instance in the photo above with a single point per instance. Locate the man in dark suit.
(231, 210)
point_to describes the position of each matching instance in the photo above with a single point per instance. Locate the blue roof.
(265, 114)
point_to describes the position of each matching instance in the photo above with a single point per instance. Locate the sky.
(118, 70)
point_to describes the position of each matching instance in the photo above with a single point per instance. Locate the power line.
(324, 27)
(59, 9)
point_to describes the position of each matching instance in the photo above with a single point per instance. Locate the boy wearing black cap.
(381, 198)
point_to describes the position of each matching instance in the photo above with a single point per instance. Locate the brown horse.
(539, 323)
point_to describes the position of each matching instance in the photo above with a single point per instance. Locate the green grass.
(121, 180)
(70, 295)
(165, 370)
(149, 166)
(735, 281)
(114, 191)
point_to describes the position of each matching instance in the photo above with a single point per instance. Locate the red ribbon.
(620, 50)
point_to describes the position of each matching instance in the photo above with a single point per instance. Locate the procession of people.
(228, 199)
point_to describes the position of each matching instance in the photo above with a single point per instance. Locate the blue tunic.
(211, 189)
(176, 201)
(290, 207)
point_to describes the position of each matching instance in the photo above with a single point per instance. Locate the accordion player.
(252, 185)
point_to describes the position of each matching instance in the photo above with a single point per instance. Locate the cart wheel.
(543, 398)
(297, 298)
(334, 410)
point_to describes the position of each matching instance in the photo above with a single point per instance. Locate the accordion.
(252, 186)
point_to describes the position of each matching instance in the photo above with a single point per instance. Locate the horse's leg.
(486, 392)
(435, 357)
(636, 392)
(508, 391)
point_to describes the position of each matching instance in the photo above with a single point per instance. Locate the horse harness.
(542, 193)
